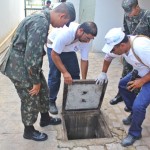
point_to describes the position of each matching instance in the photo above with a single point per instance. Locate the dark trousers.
(70, 61)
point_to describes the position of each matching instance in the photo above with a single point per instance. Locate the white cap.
(113, 37)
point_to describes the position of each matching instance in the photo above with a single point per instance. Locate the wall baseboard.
(5, 43)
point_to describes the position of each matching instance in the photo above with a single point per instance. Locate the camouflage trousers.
(32, 105)
(126, 68)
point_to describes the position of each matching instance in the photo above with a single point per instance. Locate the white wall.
(12, 12)
(145, 4)
(109, 14)
(87, 11)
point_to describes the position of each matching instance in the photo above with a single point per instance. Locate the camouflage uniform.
(130, 27)
(26, 56)
(46, 7)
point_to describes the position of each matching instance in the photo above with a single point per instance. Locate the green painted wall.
(87, 10)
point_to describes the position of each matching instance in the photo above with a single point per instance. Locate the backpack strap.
(141, 20)
(136, 56)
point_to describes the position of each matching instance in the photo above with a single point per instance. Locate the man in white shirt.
(62, 48)
(117, 43)
(136, 22)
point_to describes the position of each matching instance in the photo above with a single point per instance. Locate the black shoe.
(128, 120)
(51, 121)
(116, 100)
(127, 109)
(35, 135)
(53, 108)
(129, 140)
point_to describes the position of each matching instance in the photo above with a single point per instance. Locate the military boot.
(46, 120)
(31, 134)
(53, 108)
(127, 121)
(116, 99)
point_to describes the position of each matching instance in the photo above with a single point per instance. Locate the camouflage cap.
(71, 11)
(128, 4)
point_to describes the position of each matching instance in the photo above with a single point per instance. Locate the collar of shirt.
(73, 27)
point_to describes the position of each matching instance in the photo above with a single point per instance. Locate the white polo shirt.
(64, 41)
(141, 47)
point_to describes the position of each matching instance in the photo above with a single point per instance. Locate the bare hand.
(35, 90)
(138, 83)
(67, 78)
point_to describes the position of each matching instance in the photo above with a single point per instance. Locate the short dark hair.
(63, 0)
(89, 28)
(48, 2)
(67, 8)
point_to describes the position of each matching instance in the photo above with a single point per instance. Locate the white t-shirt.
(52, 35)
(141, 47)
(64, 41)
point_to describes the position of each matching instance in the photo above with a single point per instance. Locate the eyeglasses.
(88, 38)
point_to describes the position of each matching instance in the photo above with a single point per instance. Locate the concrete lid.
(83, 95)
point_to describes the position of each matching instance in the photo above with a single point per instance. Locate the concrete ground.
(11, 127)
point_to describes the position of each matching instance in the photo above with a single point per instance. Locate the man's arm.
(145, 79)
(139, 82)
(103, 75)
(106, 65)
(57, 61)
(84, 68)
(37, 34)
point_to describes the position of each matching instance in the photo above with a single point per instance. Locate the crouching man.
(136, 51)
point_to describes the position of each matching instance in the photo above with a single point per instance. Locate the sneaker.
(129, 140)
(35, 135)
(51, 121)
(53, 108)
(128, 120)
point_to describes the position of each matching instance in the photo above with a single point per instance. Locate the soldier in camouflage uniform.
(47, 6)
(25, 62)
(136, 22)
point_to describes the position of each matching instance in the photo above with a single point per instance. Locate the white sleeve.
(85, 48)
(61, 40)
(109, 57)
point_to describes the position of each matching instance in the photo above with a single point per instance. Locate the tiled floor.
(11, 127)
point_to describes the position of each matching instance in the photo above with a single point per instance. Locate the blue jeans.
(137, 104)
(70, 61)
